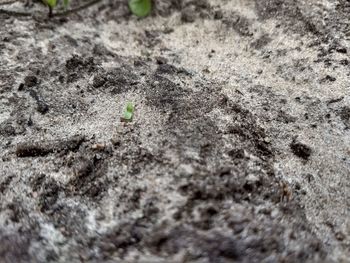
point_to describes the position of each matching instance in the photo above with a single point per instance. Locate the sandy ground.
(239, 149)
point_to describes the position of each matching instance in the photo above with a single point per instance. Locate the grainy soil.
(238, 151)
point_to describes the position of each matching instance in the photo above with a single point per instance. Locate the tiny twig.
(15, 13)
(77, 9)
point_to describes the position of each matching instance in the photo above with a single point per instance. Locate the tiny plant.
(140, 8)
(53, 3)
(50, 3)
(128, 112)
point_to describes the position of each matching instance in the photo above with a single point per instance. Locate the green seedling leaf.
(130, 107)
(127, 115)
(140, 8)
(129, 112)
(51, 3)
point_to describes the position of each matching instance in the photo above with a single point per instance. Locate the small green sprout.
(140, 8)
(129, 112)
(50, 3)
(53, 3)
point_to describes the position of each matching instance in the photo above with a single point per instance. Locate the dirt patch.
(237, 151)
